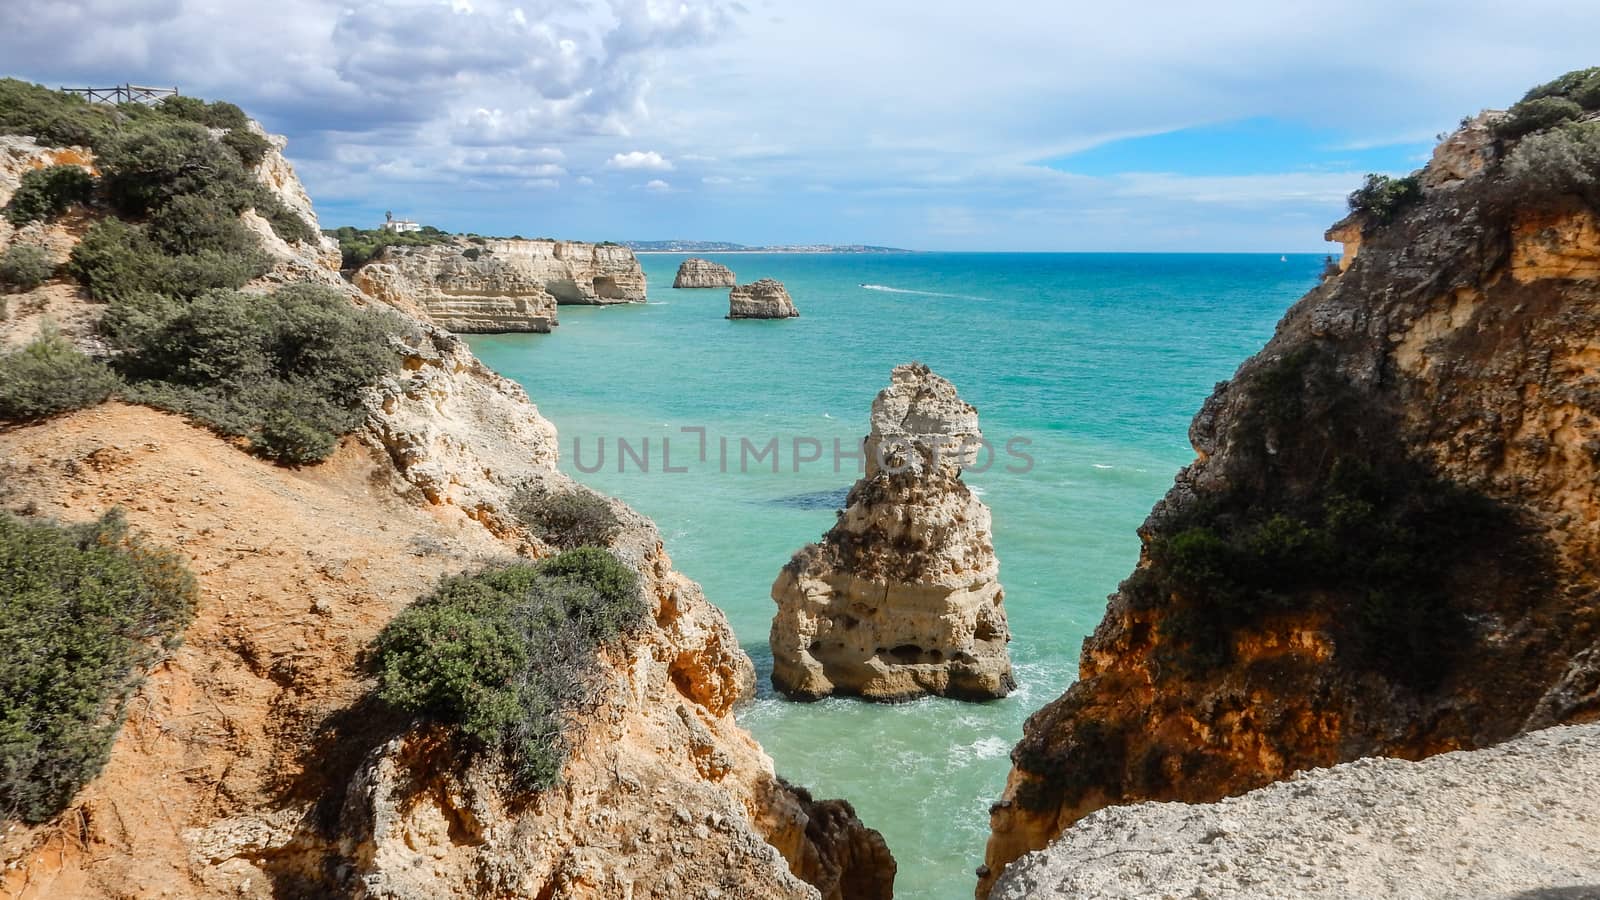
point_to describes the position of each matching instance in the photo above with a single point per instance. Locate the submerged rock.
(703, 273)
(902, 597)
(764, 299)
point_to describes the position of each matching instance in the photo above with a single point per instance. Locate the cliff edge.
(1389, 541)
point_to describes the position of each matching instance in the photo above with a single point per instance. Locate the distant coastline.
(726, 247)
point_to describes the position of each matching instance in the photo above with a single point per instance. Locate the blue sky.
(1016, 125)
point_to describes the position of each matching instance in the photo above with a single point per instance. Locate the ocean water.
(1096, 361)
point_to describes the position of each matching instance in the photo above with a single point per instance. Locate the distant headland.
(726, 247)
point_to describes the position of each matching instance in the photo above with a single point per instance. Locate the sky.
(931, 125)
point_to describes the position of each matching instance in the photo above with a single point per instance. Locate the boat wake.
(894, 290)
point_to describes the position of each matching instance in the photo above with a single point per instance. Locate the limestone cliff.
(703, 273)
(764, 299)
(1388, 543)
(255, 764)
(1509, 822)
(902, 597)
(492, 285)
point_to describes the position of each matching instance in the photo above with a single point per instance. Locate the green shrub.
(1534, 115)
(196, 223)
(116, 260)
(565, 519)
(359, 246)
(285, 222)
(1581, 86)
(1381, 197)
(52, 117)
(251, 148)
(220, 114)
(84, 611)
(509, 655)
(50, 376)
(149, 163)
(284, 369)
(48, 192)
(24, 267)
(1560, 162)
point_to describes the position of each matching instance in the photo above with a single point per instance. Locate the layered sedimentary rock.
(703, 273)
(254, 762)
(1514, 821)
(495, 285)
(1389, 542)
(902, 597)
(764, 299)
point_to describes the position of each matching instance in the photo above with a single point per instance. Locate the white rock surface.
(1521, 820)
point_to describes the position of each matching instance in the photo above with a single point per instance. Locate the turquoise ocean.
(1096, 361)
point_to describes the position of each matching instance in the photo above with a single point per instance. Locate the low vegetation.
(50, 376)
(577, 517)
(1563, 100)
(1559, 163)
(358, 246)
(284, 369)
(84, 612)
(509, 655)
(24, 267)
(48, 192)
(1381, 198)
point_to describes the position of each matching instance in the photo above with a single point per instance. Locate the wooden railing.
(124, 93)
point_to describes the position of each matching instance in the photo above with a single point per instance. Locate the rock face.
(703, 273)
(1389, 542)
(902, 597)
(254, 764)
(1514, 821)
(764, 299)
(502, 285)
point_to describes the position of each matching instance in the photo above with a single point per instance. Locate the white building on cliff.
(390, 223)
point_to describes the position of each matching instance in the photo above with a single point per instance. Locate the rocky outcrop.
(902, 597)
(494, 285)
(1389, 542)
(1514, 821)
(764, 299)
(703, 273)
(461, 287)
(254, 763)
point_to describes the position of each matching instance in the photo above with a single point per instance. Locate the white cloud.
(647, 160)
(585, 180)
(716, 179)
(657, 185)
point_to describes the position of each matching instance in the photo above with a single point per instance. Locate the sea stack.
(703, 273)
(902, 597)
(764, 299)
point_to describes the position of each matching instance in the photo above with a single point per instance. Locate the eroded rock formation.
(491, 285)
(703, 273)
(902, 597)
(764, 299)
(1514, 821)
(1389, 542)
(254, 763)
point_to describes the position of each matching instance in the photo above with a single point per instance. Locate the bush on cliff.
(510, 655)
(284, 369)
(24, 267)
(1559, 163)
(1530, 116)
(566, 519)
(1381, 197)
(50, 376)
(84, 612)
(116, 260)
(358, 246)
(48, 192)
(1581, 86)
(52, 118)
